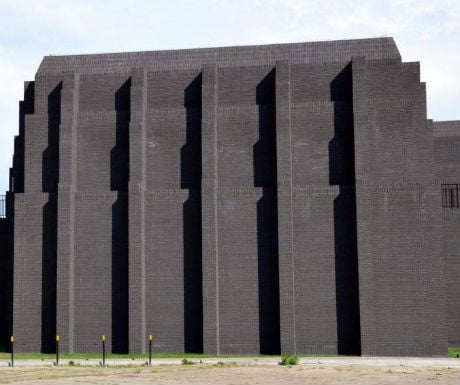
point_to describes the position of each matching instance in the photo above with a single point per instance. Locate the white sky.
(424, 30)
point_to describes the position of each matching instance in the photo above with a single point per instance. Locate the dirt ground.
(238, 373)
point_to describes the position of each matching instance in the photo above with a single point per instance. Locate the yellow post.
(12, 350)
(150, 349)
(57, 349)
(103, 349)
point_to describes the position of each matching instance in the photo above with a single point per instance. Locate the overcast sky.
(424, 30)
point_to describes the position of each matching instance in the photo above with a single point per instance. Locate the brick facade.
(261, 199)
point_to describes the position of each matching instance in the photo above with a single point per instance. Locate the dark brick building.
(262, 199)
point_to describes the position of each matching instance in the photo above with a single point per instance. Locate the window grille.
(450, 195)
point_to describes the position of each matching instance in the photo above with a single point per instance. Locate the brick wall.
(446, 150)
(257, 199)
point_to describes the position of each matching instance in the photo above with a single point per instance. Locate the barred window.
(450, 195)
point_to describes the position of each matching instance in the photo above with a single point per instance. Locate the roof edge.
(319, 51)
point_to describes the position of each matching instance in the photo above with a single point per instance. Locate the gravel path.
(238, 371)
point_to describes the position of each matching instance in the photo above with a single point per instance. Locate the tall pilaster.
(209, 186)
(285, 207)
(366, 267)
(137, 180)
(66, 213)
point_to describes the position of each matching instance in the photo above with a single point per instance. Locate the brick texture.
(262, 199)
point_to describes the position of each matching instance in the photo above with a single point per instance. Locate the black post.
(150, 349)
(103, 350)
(12, 350)
(57, 350)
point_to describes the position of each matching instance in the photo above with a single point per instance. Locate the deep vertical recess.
(9, 268)
(120, 290)
(342, 174)
(17, 172)
(50, 166)
(49, 274)
(265, 176)
(16, 185)
(192, 226)
(50, 179)
(10, 214)
(4, 276)
(119, 177)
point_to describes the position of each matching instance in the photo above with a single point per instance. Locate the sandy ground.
(239, 371)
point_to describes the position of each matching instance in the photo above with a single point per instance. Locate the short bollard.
(57, 350)
(150, 349)
(12, 350)
(103, 349)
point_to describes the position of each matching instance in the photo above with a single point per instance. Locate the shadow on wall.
(119, 155)
(5, 288)
(120, 289)
(50, 179)
(119, 178)
(17, 172)
(49, 275)
(191, 180)
(342, 174)
(7, 225)
(265, 176)
(50, 169)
